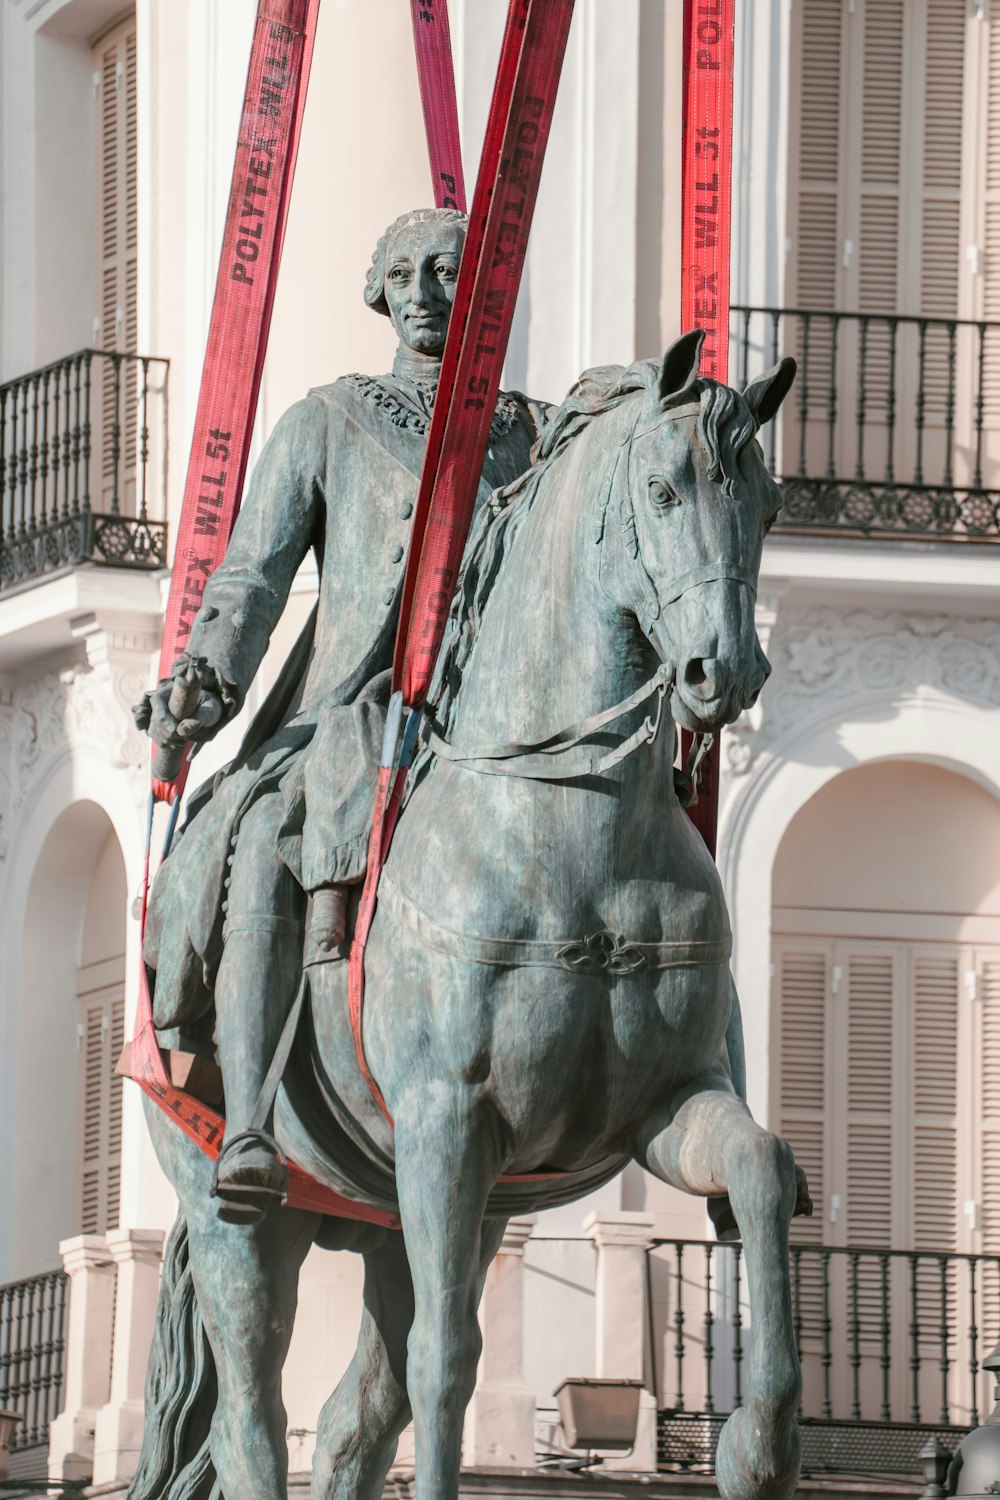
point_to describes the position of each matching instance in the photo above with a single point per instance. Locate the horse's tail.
(174, 1463)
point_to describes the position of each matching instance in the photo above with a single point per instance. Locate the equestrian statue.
(548, 994)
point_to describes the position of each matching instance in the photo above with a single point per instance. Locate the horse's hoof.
(720, 1211)
(755, 1463)
(803, 1202)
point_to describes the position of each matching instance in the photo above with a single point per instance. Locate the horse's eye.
(661, 494)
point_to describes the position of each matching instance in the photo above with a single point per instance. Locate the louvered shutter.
(984, 235)
(802, 979)
(116, 322)
(878, 103)
(101, 1034)
(800, 1112)
(815, 213)
(987, 971)
(931, 1196)
(933, 1016)
(865, 1000)
(816, 152)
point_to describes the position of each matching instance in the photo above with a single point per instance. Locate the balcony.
(891, 1344)
(83, 467)
(33, 1315)
(892, 429)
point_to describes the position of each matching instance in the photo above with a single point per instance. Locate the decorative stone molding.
(83, 704)
(823, 658)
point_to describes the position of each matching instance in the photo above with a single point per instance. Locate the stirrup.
(251, 1196)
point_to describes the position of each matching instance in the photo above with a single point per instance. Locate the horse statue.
(548, 986)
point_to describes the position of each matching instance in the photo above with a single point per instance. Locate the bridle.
(561, 756)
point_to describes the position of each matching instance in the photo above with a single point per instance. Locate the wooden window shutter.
(800, 1103)
(816, 152)
(101, 1034)
(116, 321)
(802, 976)
(984, 232)
(868, 1003)
(987, 971)
(934, 1004)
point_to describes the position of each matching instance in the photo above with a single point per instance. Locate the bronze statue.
(548, 987)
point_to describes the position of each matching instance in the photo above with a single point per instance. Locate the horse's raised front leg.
(359, 1426)
(447, 1156)
(709, 1144)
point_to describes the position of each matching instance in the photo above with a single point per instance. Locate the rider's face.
(421, 268)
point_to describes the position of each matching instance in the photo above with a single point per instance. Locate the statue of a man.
(289, 818)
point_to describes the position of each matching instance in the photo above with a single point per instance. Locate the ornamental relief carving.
(83, 704)
(823, 656)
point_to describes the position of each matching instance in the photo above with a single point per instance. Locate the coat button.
(407, 511)
(388, 596)
(397, 555)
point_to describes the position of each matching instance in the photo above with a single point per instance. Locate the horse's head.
(695, 502)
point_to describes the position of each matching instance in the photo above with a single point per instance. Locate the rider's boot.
(256, 983)
(260, 965)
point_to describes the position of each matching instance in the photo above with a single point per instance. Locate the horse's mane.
(725, 425)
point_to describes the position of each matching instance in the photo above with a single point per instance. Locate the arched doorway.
(67, 1145)
(885, 1034)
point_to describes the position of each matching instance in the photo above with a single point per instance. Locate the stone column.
(137, 1254)
(500, 1421)
(622, 1240)
(91, 1272)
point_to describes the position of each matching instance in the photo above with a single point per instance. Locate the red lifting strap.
(270, 124)
(517, 132)
(706, 224)
(436, 75)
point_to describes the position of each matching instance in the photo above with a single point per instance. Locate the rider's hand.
(184, 707)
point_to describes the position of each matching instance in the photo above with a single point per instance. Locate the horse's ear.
(680, 364)
(765, 394)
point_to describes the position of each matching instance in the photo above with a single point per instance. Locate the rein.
(534, 762)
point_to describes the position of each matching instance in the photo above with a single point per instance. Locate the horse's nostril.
(694, 672)
(704, 676)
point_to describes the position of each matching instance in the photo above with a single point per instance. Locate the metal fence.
(890, 1341)
(892, 426)
(83, 456)
(32, 1350)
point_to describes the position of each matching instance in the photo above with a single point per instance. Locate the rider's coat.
(339, 474)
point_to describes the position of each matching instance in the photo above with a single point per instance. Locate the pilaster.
(91, 1271)
(622, 1241)
(500, 1420)
(137, 1255)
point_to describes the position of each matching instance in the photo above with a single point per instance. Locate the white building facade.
(859, 823)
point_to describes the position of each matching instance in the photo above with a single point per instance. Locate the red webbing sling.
(270, 126)
(510, 168)
(436, 75)
(706, 221)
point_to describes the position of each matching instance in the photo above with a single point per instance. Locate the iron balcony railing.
(890, 1341)
(32, 1349)
(892, 427)
(83, 457)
